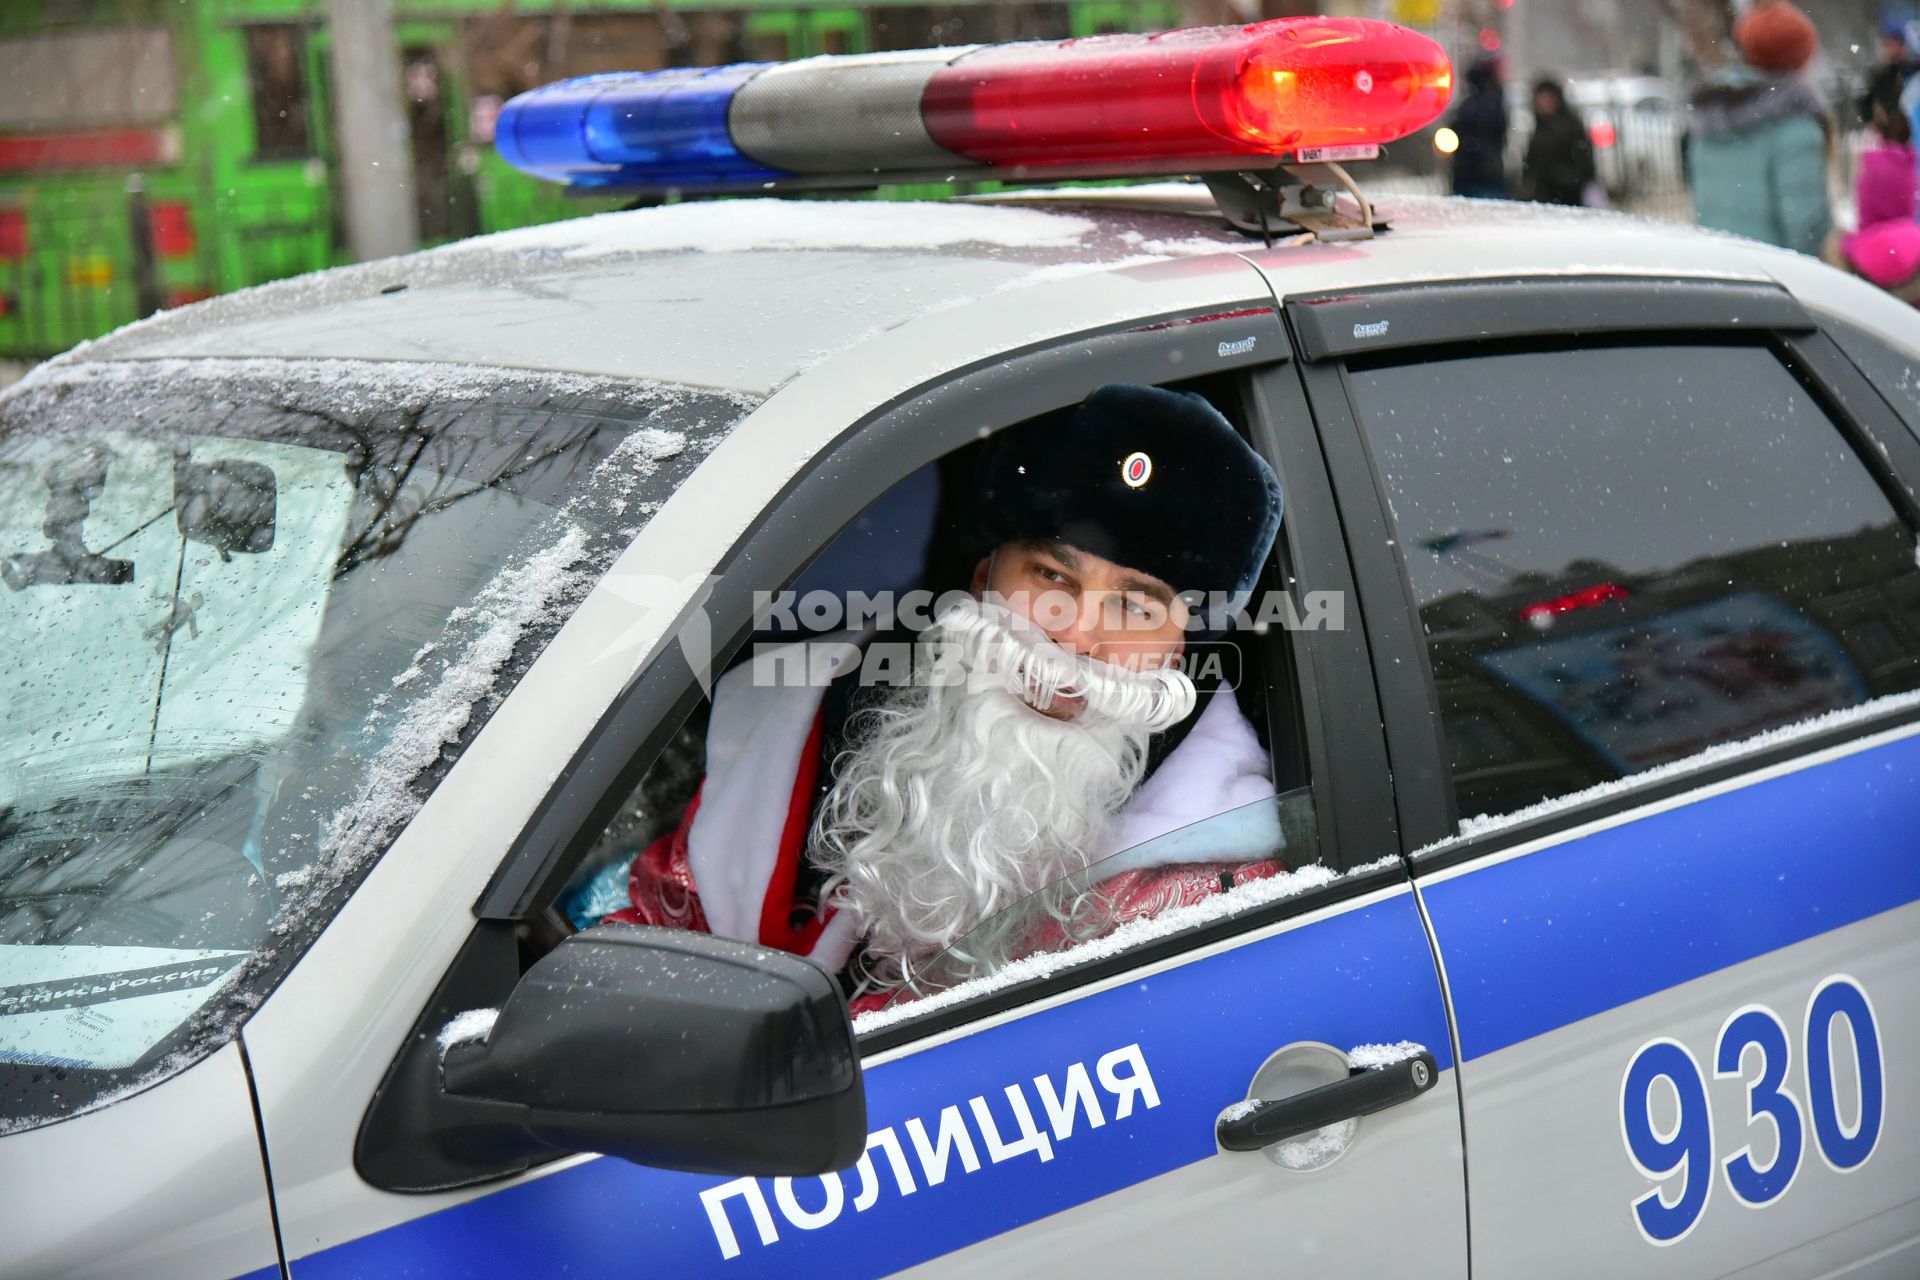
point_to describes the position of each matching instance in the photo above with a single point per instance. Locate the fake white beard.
(960, 799)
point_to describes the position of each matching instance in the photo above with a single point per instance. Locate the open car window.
(1196, 874)
(731, 826)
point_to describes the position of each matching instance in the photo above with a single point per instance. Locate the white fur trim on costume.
(1219, 772)
(755, 738)
(834, 947)
(759, 728)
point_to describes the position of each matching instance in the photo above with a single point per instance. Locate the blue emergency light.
(632, 128)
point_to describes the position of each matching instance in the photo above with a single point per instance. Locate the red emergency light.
(1274, 87)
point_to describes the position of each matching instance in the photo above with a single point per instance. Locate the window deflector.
(1085, 907)
(1519, 310)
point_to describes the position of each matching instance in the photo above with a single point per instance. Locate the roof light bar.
(1199, 100)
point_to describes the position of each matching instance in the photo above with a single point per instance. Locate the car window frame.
(1346, 767)
(1486, 317)
(1245, 340)
(1332, 675)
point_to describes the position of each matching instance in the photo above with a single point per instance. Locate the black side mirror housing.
(667, 1048)
(677, 1050)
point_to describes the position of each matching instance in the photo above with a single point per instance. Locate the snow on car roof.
(681, 293)
(746, 294)
(745, 226)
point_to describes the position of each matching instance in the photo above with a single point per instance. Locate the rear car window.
(251, 612)
(1627, 557)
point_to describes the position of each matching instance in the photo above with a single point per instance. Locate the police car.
(353, 622)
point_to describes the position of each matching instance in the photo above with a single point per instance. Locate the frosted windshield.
(194, 620)
(249, 614)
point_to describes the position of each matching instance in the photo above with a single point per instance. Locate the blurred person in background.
(1559, 160)
(1480, 122)
(1896, 67)
(1760, 139)
(1886, 248)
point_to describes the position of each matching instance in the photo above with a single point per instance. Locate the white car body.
(830, 316)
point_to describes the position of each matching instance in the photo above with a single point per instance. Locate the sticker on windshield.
(100, 1007)
(160, 603)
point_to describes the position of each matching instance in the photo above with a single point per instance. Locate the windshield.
(249, 614)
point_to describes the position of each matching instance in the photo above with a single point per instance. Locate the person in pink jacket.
(1886, 248)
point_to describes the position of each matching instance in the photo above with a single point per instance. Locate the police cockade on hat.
(1136, 470)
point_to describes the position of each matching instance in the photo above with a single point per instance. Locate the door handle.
(1367, 1090)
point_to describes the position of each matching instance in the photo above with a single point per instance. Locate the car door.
(1236, 1019)
(1059, 1119)
(1644, 595)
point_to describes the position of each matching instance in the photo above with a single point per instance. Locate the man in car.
(1046, 723)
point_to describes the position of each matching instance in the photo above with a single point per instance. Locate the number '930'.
(1754, 1045)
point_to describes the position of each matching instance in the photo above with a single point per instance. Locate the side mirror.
(666, 1048)
(677, 1050)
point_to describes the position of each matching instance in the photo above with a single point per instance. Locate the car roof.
(748, 294)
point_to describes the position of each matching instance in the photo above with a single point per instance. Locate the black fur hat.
(1152, 479)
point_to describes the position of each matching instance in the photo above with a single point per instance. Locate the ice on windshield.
(252, 611)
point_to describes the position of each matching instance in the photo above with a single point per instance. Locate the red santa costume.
(733, 864)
